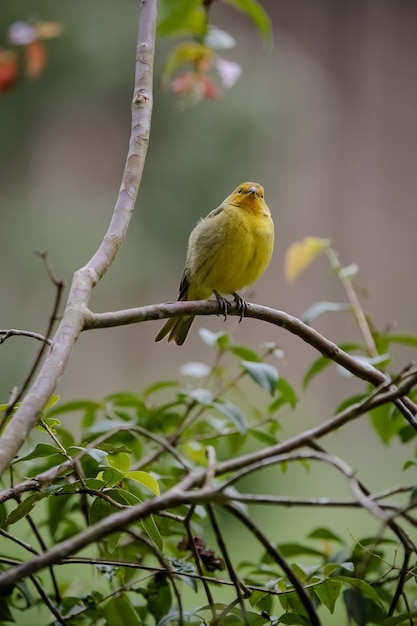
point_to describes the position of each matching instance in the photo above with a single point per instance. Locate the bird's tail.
(176, 328)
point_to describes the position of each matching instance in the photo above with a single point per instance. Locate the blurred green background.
(326, 121)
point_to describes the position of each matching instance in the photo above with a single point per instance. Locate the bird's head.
(248, 195)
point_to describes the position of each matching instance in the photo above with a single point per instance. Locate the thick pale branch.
(87, 277)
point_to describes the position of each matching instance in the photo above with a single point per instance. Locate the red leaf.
(35, 58)
(9, 70)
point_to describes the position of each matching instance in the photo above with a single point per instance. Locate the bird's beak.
(253, 190)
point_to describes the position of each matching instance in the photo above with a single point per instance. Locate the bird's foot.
(223, 303)
(242, 305)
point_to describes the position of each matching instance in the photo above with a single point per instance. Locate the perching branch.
(88, 276)
(358, 367)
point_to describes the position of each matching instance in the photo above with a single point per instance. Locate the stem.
(358, 312)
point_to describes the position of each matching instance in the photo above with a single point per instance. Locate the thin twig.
(14, 332)
(358, 312)
(59, 284)
(197, 561)
(46, 600)
(277, 556)
(166, 569)
(238, 585)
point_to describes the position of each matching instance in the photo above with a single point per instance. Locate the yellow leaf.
(48, 30)
(301, 254)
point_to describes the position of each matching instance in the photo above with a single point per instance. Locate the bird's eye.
(240, 190)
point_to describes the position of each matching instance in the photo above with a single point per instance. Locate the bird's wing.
(184, 284)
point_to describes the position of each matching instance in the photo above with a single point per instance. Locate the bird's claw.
(242, 305)
(223, 304)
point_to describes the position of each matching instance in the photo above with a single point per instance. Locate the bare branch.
(13, 332)
(358, 367)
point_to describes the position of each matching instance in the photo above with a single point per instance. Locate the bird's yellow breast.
(229, 249)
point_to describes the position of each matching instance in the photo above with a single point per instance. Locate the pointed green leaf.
(287, 392)
(145, 479)
(257, 14)
(328, 592)
(318, 366)
(24, 508)
(245, 353)
(120, 461)
(364, 587)
(233, 413)
(326, 535)
(151, 529)
(119, 610)
(405, 618)
(39, 451)
(264, 375)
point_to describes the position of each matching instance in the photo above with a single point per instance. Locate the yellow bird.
(227, 251)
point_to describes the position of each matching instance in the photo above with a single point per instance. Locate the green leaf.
(264, 375)
(268, 440)
(350, 402)
(293, 619)
(24, 508)
(119, 610)
(119, 461)
(295, 549)
(325, 534)
(257, 14)
(322, 362)
(5, 613)
(330, 568)
(95, 453)
(100, 509)
(317, 309)
(400, 619)
(163, 384)
(54, 399)
(76, 405)
(151, 529)
(180, 18)
(39, 451)
(233, 413)
(145, 479)
(158, 596)
(364, 587)
(384, 423)
(404, 338)
(245, 353)
(110, 476)
(318, 366)
(287, 392)
(328, 592)
(363, 610)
